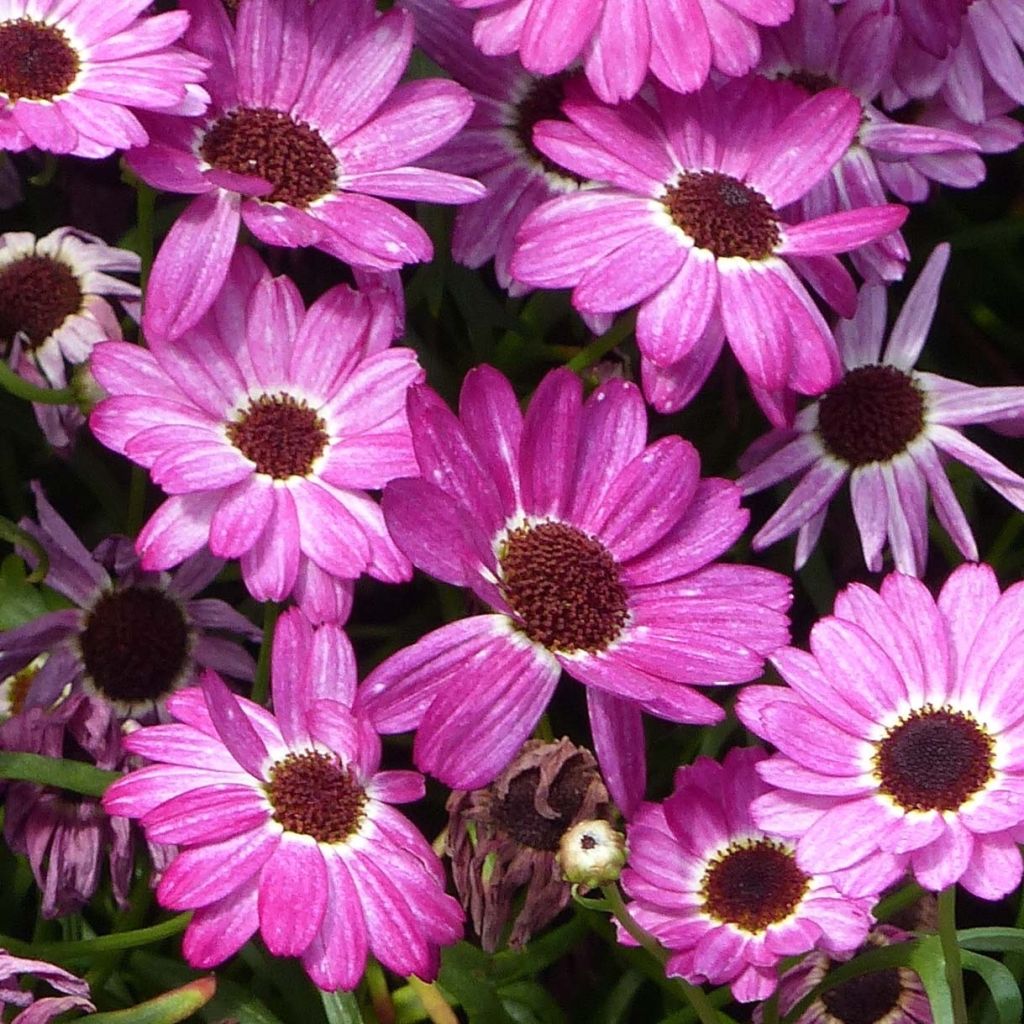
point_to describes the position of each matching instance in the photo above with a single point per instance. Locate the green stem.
(16, 385)
(600, 347)
(951, 953)
(16, 535)
(261, 684)
(136, 501)
(145, 204)
(61, 952)
(696, 996)
(76, 776)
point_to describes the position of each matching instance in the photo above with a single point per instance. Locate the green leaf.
(991, 940)
(76, 776)
(466, 974)
(86, 949)
(511, 965)
(341, 1008)
(177, 1005)
(20, 602)
(528, 1002)
(1001, 985)
(929, 961)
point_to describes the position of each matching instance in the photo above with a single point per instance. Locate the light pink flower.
(885, 427)
(901, 737)
(307, 129)
(285, 822)
(54, 309)
(689, 228)
(72, 75)
(727, 899)
(267, 424)
(679, 41)
(596, 552)
(40, 1011)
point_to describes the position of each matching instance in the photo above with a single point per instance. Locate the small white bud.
(592, 854)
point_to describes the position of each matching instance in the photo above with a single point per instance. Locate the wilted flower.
(40, 1011)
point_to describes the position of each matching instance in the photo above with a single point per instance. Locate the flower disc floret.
(37, 294)
(313, 794)
(564, 585)
(270, 144)
(723, 215)
(37, 61)
(282, 435)
(871, 415)
(934, 759)
(753, 883)
(136, 645)
(868, 999)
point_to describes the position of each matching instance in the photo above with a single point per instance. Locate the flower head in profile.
(688, 226)
(73, 76)
(54, 307)
(34, 1010)
(885, 427)
(131, 637)
(900, 737)
(678, 41)
(596, 553)
(893, 995)
(266, 426)
(726, 898)
(285, 822)
(307, 135)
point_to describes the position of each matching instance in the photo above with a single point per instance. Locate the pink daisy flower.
(72, 75)
(886, 428)
(54, 308)
(893, 995)
(596, 553)
(820, 48)
(725, 897)
(285, 822)
(935, 25)
(266, 426)
(308, 128)
(689, 225)
(129, 637)
(679, 41)
(900, 737)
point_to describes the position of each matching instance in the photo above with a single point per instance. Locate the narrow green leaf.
(466, 974)
(992, 940)
(930, 963)
(77, 776)
(20, 602)
(170, 1008)
(1001, 985)
(341, 1008)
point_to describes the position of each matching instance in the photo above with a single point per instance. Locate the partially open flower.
(506, 836)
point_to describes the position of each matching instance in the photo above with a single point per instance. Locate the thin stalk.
(696, 996)
(433, 1002)
(951, 953)
(16, 385)
(261, 684)
(600, 347)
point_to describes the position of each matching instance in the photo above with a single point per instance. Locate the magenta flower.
(679, 41)
(727, 899)
(66, 838)
(305, 132)
(53, 310)
(885, 427)
(689, 225)
(935, 25)
(285, 822)
(72, 75)
(821, 47)
(595, 551)
(131, 637)
(900, 737)
(266, 426)
(40, 1011)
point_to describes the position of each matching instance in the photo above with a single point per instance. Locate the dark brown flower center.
(135, 644)
(723, 215)
(314, 795)
(935, 759)
(564, 585)
(281, 434)
(542, 102)
(871, 415)
(864, 1000)
(37, 62)
(269, 144)
(37, 294)
(517, 812)
(752, 884)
